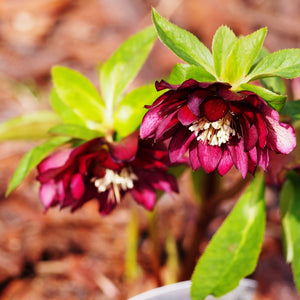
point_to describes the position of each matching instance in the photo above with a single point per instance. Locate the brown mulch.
(60, 255)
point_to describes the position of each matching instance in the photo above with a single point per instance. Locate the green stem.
(131, 264)
(155, 247)
(207, 209)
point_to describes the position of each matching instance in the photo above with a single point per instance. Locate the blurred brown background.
(82, 256)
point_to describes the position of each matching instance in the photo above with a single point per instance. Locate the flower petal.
(253, 155)
(125, 149)
(180, 143)
(263, 158)
(162, 85)
(225, 163)
(106, 202)
(166, 124)
(160, 180)
(194, 158)
(54, 161)
(281, 137)
(144, 194)
(77, 186)
(225, 92)
(185, 116)
(48, 194)
(249, 133)
(262, 130)
(209, 156)
(239, 156)
(214, 108)
(195, 99)
(150, 122)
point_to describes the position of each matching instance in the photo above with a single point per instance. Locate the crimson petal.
(166, 124)
(144, 194)
(209, 156)
(253, 155)
(48, 194)
(225, 163)
(150, 122)
(281, 137)
(263, 158)
(180, 143)
(185, 116)
(125, 149)
(214, 108)
(77, 186)
(239, 156)
(162, 85)
(194, 158)
(195, 100)
(54, 161)
(262, 130)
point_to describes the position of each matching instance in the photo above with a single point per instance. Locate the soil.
(82, 255)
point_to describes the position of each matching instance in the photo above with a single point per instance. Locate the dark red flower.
(218, 127)
(105, 171)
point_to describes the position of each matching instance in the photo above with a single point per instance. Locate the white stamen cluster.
(215, 133)
(118, 181)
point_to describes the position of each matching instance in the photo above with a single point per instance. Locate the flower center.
(117, 181)
(215, 133)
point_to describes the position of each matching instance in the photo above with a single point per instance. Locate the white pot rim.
(183, 285)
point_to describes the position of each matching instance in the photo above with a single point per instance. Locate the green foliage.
(284, 63)
(242, 56)
(290, 219)
(78, 93)
(274, 84)
(122, 67)
(129, 114)
(274, 100)
(223, 42)
(292, 108)
(236, 61)
(183, 43)
(67, 114)
(32, 126)
(33, 158)
(182, 72)
(75, 131)
(198, 184)
(79, 105)
(233, 251)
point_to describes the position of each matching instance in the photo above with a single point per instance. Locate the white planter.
(181, 291)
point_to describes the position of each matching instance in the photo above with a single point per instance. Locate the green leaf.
(33, 158)
(284, 63)
(242, 56)
(182, 72)
(292, 108)
(130, 111)
(233, 251)
(77, 92)
(274, 84)
(33, 126)
(177, 170)
(223, 42)
(122, 67)
(290, 219)
(67, 114)
(183, 43)
(274, 100)
(198, 183)
(262, 53)
(75, 131)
